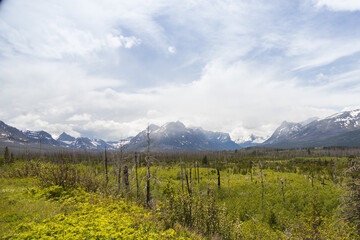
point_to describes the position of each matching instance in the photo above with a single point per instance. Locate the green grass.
(17, 205)
(29, 212)
(235, 210)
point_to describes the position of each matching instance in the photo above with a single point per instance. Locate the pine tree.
(12, 158)
(6, 155)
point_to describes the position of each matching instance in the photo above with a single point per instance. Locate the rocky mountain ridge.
(339, 129)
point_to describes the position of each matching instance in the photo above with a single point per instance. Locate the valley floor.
(29, 212)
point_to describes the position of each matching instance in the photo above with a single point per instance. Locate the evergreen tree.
(12, 158)
(6, 155)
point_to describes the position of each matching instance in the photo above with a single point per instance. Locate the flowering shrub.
(94, 218)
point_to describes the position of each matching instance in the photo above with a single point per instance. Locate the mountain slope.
(340, 129)
(174, 136)
(36, 136)
(10, 136)
(250, 141)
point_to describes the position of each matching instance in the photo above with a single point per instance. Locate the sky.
(106, 69)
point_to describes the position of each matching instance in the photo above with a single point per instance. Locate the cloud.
(54, 37)
(106, 69)
(314, 52)
(172, 50)
(79, 117)
(335, 5)
(37, 124)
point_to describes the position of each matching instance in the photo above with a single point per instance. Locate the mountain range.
(11, 136)
(341, 129)
(172, 136)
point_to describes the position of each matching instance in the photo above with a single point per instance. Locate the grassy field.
(30, 212)
(295, 198)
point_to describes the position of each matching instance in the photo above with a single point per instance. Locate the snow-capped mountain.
(44, 137)
(250, 141)
(119, 144)
(90, 144)
(174, 136)
(337, 130)
(10, 136)
(66, 138)
(285, 130)
(341, 129)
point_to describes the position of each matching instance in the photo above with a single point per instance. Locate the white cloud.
(79, 117)
(60, 30)
(313, 52)
(34, 122)
(102, 68)
(339, 5)
(172, 49)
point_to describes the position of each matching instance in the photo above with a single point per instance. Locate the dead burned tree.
(126, 177)
(282, 190)
(106, 167)
(187, 182)
(251, 171)
(182, 175)
(148, 169)
(119, 166)
(262, 187)
(189, 191)
(136, 175)
(195, 177)
(198, 172)
(351, 212)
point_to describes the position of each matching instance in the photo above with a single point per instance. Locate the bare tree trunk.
(312, 179)
(283, 192)
(195, 172)
(262, 186)
(251, 174)
(198, 172)
(190, 194)
(190, 173)
(136, 175)
(182, 175)
(208, 190)
(148, 169)
(40, 145)
(229, 181)
(218, 173)
(106, 168)
(187, 182)
(335, 174)
(119, 167)
(126, 177)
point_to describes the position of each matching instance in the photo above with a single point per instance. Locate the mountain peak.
(65, 137)
(153, 127)
(175, 136)
(330, 131)
(174, 126)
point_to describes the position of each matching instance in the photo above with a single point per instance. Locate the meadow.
(207, 195)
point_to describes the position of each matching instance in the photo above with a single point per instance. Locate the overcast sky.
(105, 69)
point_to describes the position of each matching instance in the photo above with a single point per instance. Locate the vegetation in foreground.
(53, 213)
(243, 198)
